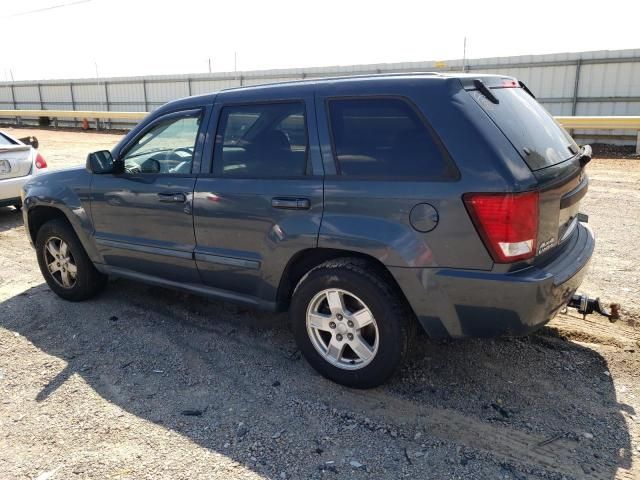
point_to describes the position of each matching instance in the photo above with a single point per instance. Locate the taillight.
(40, 161)
(507, 222)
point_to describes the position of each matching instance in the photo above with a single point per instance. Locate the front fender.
(68, 192)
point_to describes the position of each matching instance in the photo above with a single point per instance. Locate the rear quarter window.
(385, 138)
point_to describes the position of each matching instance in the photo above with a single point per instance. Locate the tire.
(362, 291)
(87, 281)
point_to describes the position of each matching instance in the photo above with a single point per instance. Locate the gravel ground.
(144, 382)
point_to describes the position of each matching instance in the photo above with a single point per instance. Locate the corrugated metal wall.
(585, 83)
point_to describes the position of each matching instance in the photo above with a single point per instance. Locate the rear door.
(261, 201)
(143, 217)
(548, 150)
(15, 159)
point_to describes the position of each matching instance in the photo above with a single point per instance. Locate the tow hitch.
(586, 306)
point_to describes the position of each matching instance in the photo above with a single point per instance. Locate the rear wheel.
(64, 264)
(350, 323)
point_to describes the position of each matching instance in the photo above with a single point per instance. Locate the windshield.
(536, 135)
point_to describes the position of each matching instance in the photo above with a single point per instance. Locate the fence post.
(15, 107)
(40, 97)
(106, 98)
(576, 86)
(73, 104)
(638, 144)
(144, 93)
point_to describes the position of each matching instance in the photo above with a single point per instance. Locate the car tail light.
(507, 222)
(40, 161)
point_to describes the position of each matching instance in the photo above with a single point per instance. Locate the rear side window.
(541, 141)
(261, 141)
(384, 137)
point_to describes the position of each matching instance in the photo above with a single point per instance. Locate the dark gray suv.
(368, 206)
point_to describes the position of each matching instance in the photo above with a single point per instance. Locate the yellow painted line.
(600, 123)
(89, 115)
(590, 123)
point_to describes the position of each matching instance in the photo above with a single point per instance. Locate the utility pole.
(235, 61)
(464, 55)
(11, 73)
(209, 64)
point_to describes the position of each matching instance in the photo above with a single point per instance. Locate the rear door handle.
(291, 203)
(172, 197)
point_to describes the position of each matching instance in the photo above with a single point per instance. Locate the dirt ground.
(144, 382)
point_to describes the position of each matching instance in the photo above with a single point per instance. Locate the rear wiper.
(480, 85)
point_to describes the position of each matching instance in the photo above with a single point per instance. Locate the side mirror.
(101, 162)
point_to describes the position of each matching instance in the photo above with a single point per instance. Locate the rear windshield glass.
(5, 141)
(541, 141)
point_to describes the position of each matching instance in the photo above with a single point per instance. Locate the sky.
(84, 38)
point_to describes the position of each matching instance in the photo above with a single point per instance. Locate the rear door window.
(536, 135)
(384, 137)
(261, 141)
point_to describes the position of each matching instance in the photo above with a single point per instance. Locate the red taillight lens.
(507, 222)
(40, 161)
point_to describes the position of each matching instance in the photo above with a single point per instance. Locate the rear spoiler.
(485, 84)
(30, 140)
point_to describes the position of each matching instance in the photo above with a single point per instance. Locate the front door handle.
(291, 203)
(172, 197)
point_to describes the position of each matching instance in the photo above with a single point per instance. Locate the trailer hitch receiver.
(586, 306)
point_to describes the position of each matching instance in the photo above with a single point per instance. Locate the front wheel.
(350, 323)
(64, 264)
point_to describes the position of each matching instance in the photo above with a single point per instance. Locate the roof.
(296, 85)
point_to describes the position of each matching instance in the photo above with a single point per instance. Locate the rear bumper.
(466, 303)
(10, 188)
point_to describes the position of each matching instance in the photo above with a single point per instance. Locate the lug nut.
(339, 316)
(332, 325)
(350, 323)
(350, 336)
(339, 337)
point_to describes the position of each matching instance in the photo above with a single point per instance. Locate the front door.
(143, 217)
(262, 202)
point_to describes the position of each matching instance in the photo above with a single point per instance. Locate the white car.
(19, 163)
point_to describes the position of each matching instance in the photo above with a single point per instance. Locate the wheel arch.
(37, 215)
(305, 260)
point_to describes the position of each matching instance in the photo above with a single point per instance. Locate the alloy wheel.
(342, 329)
(60, 262)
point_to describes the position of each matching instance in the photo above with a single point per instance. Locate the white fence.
(603, 83)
